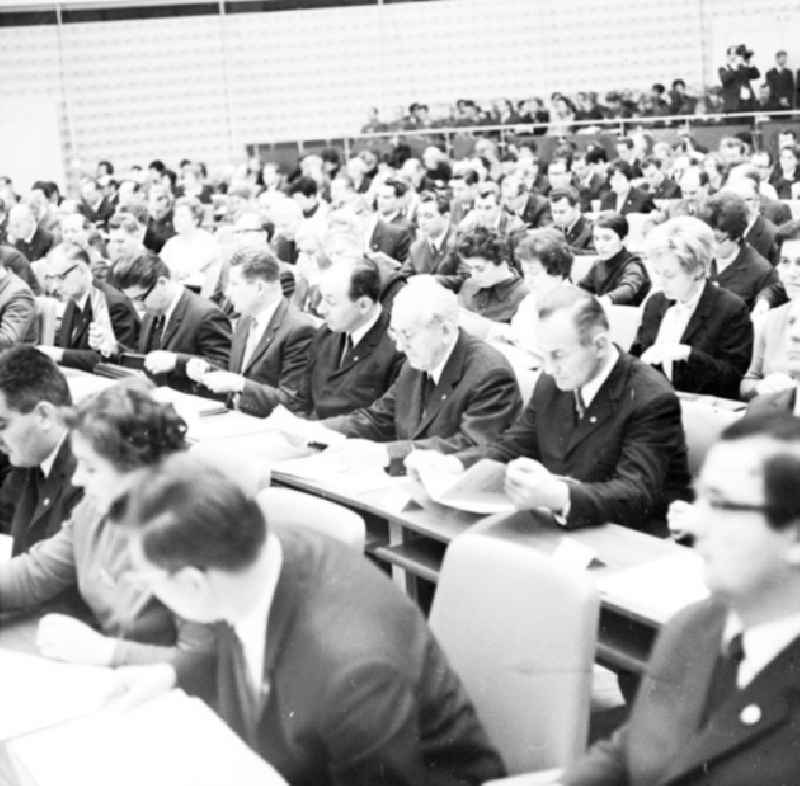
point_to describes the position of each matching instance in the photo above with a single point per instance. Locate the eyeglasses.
(62, 276)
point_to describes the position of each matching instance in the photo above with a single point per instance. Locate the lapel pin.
(750, 715)
(444, 396)
(592, 419)
(355, 358)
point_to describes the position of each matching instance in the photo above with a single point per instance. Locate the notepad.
(480, 489)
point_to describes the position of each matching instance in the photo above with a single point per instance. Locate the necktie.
(723, 678)
(154, 341)
(251, 344)
(347, 349)
(580, 407)
(427, 388)
(28, 502)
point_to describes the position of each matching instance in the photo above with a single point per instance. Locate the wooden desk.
(411, 539)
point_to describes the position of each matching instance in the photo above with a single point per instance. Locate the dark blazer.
(762, 238)
(393, 239)
(750, 277)
(750, 739)
(781, 85)
(38, 513)
(625, 459)
(18, 264)
(441, 261)
(668, 189)
(367, 373)
(775, 211)
(536, 212)
(40, 244)
(158, 232)
(580, 236)
(720, 334)
(100, 216)
(73, 334)
(476, 399)
(637, 201)
(623, 278)
(782, 401)
(733, 80)
(196, 328)
(356, 690)
(596, 188)
(275, 370)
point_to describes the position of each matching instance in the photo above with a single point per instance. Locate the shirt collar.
(761, 643)
(436, 374)
(264, 317)
(251, 630)
(358, 334)
(47, 464)
(724, 263)
(592, 387)
(81, 304)
(690, 305)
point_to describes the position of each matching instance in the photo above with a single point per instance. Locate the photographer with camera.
(737, 94)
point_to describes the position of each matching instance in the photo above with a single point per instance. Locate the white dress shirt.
(171, 308)
(673, 325)
(47, 464)
(722, 264)
(358, 334)
(258, 325)
(436, 374)
(592, 387)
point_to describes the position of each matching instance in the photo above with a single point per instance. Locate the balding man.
(454, 390)
(25, 233)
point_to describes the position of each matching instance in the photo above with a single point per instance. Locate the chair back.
(520, 630)
(290, 508)
(623, 323)
(703, 421)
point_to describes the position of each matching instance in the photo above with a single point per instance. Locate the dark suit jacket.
(762, 238)
(275, 370)
(536, 212)
(750, 277)
(668, 189)
(781, 85)
(720, 334)
(441, 261)
(637, 201)
(476, 399)
(36, 514)
(393, 239)
(733, 80)
(367, 373)
(16, 262)
(775, 211)
(664, 743)
(73, 334)
(623, 278)
(101, 215)
(196, 328)
(626, 458)
(357, 692)
(596, 188)
(40, 244)
(580, 236)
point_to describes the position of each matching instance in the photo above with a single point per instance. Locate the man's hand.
(659, 353)
(68, 639)
(530, 485)
(223, 382)
(196, 368)
(101, 341)
(680, 518)
(160, 361)
(134, 685)
(54, 353)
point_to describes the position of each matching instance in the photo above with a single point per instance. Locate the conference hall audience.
(114, 434)
(453, 391)
(624, 197)
(697, 333)
(618, 275)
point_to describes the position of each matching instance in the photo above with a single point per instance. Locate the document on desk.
(480, 489)
(36, 693)
(171, 739)
(336, 471)
(189, 407)
(658, 589)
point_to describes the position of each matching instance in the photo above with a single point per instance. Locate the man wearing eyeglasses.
(718, 703)
(97, 318)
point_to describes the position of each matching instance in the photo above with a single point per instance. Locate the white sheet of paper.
(480, 489)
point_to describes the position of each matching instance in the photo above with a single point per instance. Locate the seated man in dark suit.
(391, 232)
(97, 319)
(601, 438)
(352, 360)
(491, 214)
(94, 205)
(593, 182)
(697, 333)
(694, 193)
(624, 198)
(454, 391)
(178, 325)
(28, 238)
(494, 289)
(565, 205)
(17, 310)
(159, 223)
(433, 251)
(37, 495)
(351, 687)
(714, 706)
(659, 186)
(737, 265)
(270, 343)
(760, 232)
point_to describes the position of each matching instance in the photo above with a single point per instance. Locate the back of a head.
(189, 513)
(28, 377)
(424, 299)
(142, 271)
(257, 263)
(587, 312)
(549, 246)
(484, 244)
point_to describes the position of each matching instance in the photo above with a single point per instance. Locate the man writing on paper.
(270, 344)
(323, 666)
(601, 438)
(718, 703)
(453, 392)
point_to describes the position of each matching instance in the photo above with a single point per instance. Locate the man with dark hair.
(601, 437)
(126, 231)
(735, 77)
(626, 154)
(658, 185)
(760, 232)
(391, 233)
(305, 192)
(781, 82)
(37, 495)
(352, 360)
(270, 344)
(624, 197)
(351, 686)
(159, 223)
(565, 206)
(94, 205)
(97, 319)
(178, 325)
(716, 702)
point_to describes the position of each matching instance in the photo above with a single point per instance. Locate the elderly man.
(716, 703)
(270, 344)
(25, 233)
(694, 192)
(454, 391)
(601, 437)
(178, 324)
